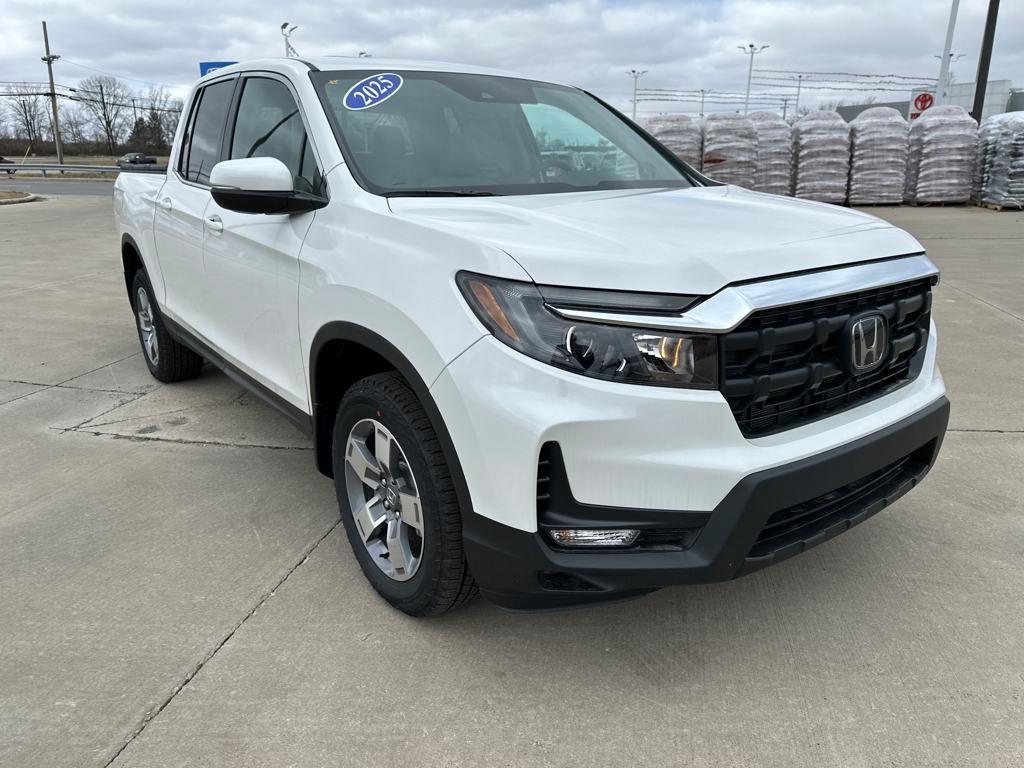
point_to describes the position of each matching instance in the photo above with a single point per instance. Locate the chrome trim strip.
(733, 304)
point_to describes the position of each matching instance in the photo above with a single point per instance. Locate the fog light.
(593, 537)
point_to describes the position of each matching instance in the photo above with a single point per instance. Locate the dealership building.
(1000, 96)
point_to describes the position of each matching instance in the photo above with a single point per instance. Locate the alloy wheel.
(384, 499)
(144, 310)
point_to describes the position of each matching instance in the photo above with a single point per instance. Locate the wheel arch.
(339, 342)
(131, 261)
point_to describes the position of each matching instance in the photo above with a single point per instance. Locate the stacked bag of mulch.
(1000, 174)
(680, 134)
(940, 168)
(984, 155)
(730, 149)
(774, 171)
(821, 149)
(878, 165)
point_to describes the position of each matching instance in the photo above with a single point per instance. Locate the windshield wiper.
(438, 193)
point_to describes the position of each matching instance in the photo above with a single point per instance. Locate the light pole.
(799, 82)
(636, 74)
(946, 80)
(703, 92)
(940, 97)
(289, 51)
(750, 50)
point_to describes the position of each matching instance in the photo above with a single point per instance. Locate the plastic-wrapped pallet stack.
(821, 145)
(1001, 160)
(983, 156)
(680, 134)
(774, 172)
(730, 149)
(940, 168)
(878, 166)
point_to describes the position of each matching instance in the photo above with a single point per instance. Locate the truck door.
(180, 224)
(252, 260)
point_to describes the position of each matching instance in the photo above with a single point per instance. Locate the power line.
(844, 74)
(82, 100)
(113, 74)
(837, 89)
(786, 82)
(150, 108)
(724, 94)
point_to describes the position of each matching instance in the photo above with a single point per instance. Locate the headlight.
(517, 315)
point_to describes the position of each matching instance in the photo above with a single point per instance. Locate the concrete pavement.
(175, 590)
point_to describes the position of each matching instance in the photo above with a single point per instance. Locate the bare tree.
(26, 107)
(166, 110)
(109, 103)
(831, 106)
(73, 127)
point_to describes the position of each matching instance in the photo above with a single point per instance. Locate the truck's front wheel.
(397, 499)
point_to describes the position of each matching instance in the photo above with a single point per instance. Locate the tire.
(438, 579)
(167, 359)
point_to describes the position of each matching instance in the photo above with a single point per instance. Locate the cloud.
(586, 42)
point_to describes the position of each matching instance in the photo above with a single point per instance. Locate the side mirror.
(259, 185)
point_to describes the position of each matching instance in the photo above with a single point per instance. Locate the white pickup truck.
(539, 356)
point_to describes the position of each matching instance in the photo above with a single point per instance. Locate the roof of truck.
(364, 64)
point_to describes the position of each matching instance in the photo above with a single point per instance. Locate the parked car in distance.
(135, 158)
(5, 161)
(558, 382)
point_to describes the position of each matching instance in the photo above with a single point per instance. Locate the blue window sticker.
(372, 90)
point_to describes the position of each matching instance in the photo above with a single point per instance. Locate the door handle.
(214, 224)
(166, 204)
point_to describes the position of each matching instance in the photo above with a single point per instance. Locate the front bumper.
(521, 570)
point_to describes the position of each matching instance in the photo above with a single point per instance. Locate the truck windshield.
(439, 133)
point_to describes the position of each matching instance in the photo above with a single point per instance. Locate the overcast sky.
(683, 44)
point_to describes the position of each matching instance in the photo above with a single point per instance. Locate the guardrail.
(66, 168)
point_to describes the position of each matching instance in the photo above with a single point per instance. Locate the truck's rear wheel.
(167, 359)
(397, 499)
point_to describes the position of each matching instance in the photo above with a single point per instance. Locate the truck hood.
(693, 241)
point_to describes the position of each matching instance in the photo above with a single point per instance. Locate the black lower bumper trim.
(520, 570)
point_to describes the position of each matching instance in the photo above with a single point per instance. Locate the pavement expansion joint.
(983, 301)
(990, 431)
(84, 430)
(197, 668)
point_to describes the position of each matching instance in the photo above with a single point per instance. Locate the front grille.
(802, 524)
(786, 366)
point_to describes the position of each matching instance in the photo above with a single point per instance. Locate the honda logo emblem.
(869, 341)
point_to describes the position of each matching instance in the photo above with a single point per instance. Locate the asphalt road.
(175, 588)
(98, 187)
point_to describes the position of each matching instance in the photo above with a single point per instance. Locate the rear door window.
(202, 149)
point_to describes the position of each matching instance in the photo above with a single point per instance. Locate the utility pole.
(135, 115)
(981, 81)
(940, 97)
(106, 120)
(785, 104)
(751, 50)
(49, 58)
(636, 74)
